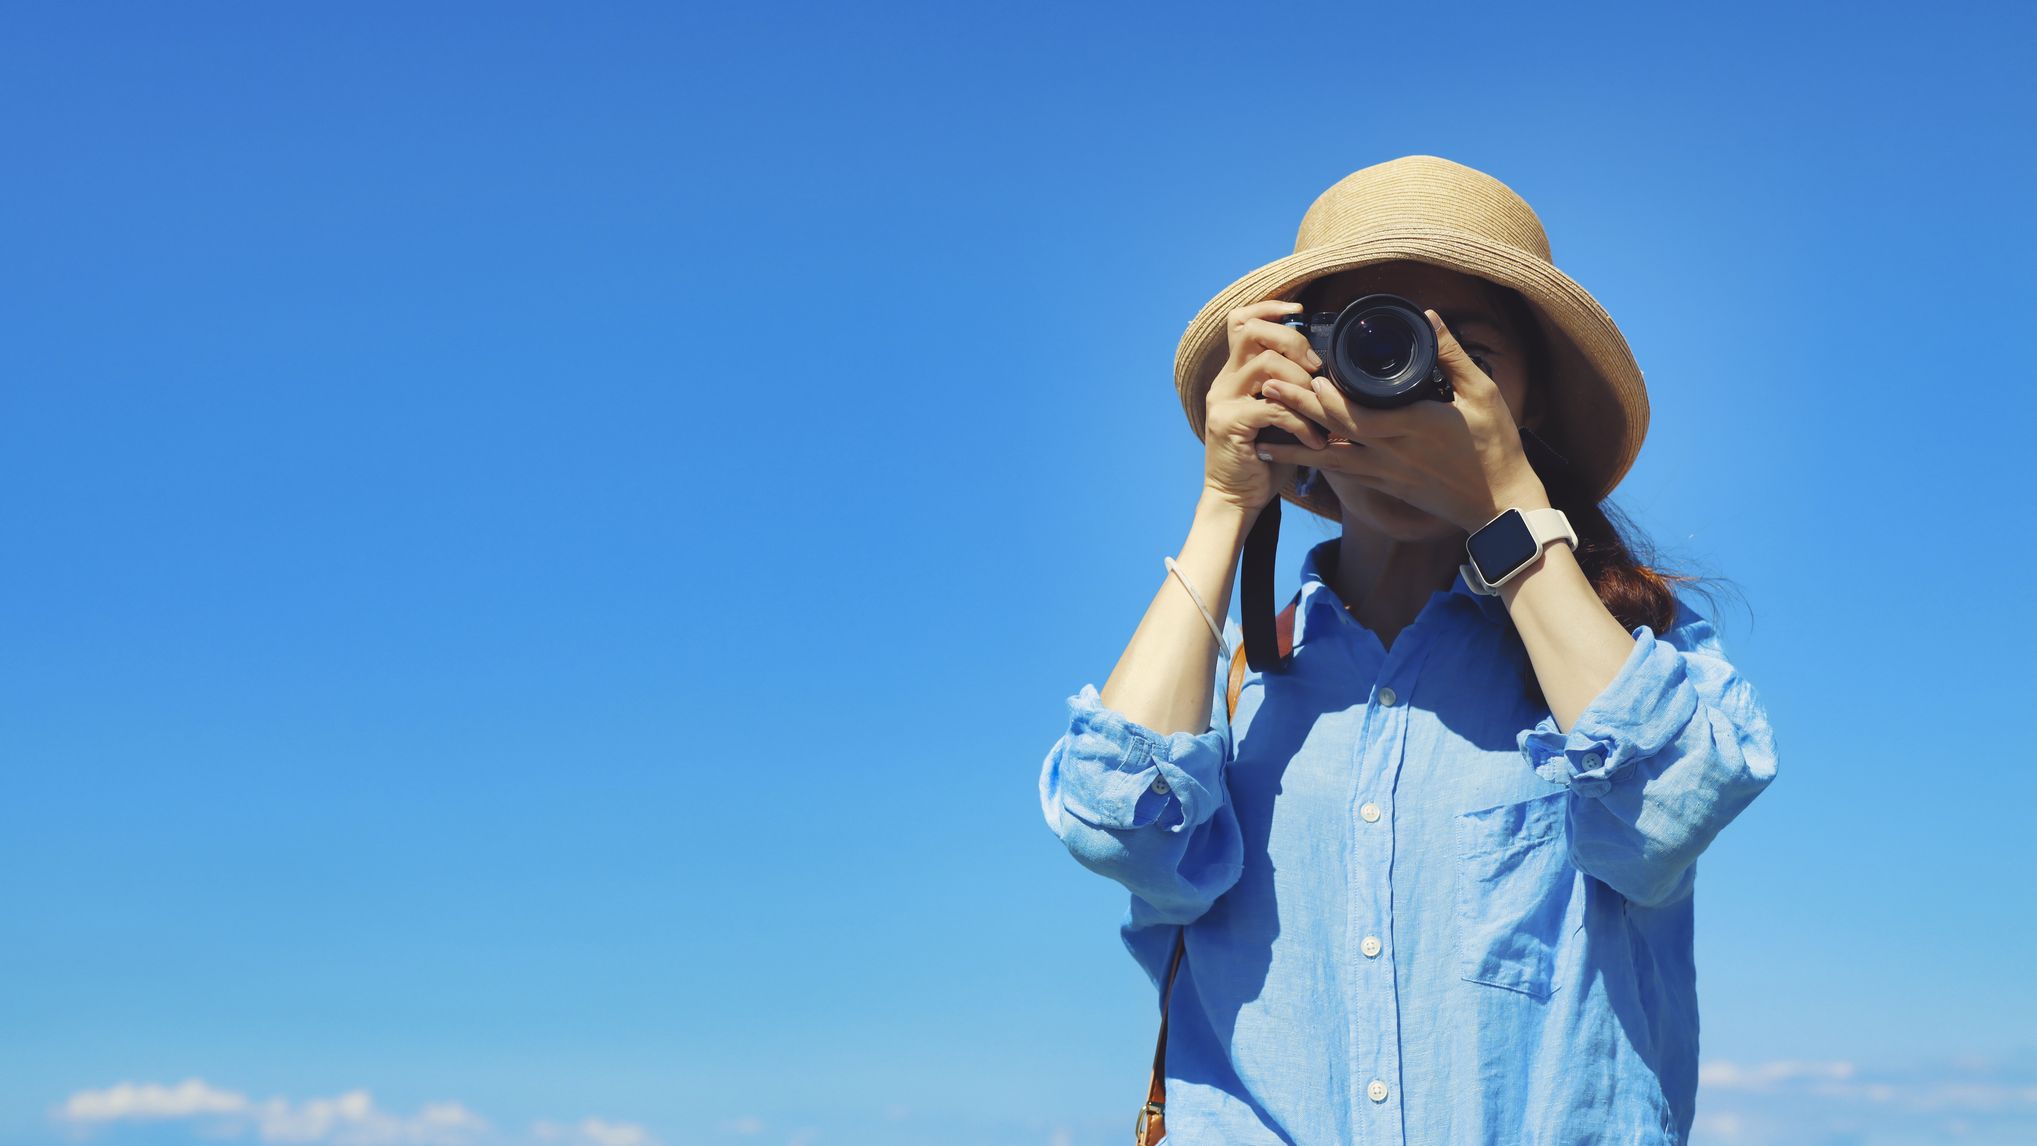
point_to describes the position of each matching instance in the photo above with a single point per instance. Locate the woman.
(1434, 879)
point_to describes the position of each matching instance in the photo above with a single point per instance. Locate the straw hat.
(1431, 210)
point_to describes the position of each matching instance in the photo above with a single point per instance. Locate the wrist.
(1515, 544)
(1219, 511)
(1543, 560)
(1522, 494)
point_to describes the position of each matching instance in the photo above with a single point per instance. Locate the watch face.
(1501, 546)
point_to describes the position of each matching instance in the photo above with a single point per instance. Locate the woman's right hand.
(1261, 348)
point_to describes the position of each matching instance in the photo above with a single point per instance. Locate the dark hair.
(1617, 558)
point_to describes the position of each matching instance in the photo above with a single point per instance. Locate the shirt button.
(1387, 696)
(1159, 785)
(1370, 812)
(1593, 760)
(1370, 946)
(1376, 1091)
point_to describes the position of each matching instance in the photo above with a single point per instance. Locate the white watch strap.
(1545, 524)
(1549, 524)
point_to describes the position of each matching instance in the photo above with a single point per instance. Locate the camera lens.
(1382, 352)
(1381, 345)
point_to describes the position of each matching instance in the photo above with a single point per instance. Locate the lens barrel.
(1379, 350)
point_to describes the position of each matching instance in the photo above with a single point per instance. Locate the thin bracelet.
(1215, 629)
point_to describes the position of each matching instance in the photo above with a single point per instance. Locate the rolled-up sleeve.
(1147, 809)
(1667, 754)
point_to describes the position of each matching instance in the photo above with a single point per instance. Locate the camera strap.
(1255, 591)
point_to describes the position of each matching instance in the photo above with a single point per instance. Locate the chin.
(1394, 517)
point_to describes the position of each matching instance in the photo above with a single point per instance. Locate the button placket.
(1375, 1023)
(1375, 1042)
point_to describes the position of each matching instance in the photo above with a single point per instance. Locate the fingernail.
(1264, 456)
(1316, 384)
(1315, 361)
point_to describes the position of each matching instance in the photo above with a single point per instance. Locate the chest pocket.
(1515, 883)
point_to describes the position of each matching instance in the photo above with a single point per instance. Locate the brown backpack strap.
(1283, 628)
(1152, 1124)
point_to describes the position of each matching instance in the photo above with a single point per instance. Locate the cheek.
(1513, 390)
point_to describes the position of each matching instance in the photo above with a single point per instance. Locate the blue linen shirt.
(1416, 912)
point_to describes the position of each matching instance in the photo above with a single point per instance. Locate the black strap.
(1255, 591)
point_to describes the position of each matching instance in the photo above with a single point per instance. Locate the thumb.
(1465, 376)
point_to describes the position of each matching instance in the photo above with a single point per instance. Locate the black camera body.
(1379, 351)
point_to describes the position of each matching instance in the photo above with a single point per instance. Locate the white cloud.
(1765, 1076)
(1794, 1101)
(1718, 1128)
(148, 1101)
(348, 1119)
(1837, 1080)
(594, 1132)
(747, 1124)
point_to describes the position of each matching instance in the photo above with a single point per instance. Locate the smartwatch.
(1506, 546)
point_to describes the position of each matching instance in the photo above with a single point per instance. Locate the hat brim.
(1597, 400)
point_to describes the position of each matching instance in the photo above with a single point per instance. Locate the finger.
(1262, 412)
(1367, 463)
(1255, 326)
(1465, 376)
(1304, 402)
(1272, 365)
(1325, 404)
(1245, 381)
(1256, 334)
(1255, 331)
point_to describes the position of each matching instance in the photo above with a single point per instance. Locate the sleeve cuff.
(1117, 773)
(1635, 716)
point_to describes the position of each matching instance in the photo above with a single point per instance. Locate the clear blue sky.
(546, 546)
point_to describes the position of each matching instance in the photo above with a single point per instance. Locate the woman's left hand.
(1459, 460)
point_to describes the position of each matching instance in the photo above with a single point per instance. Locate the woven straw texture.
(1433, 210)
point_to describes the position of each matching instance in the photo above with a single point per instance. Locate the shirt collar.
(1319, 601)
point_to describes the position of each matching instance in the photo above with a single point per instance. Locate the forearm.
(1164, 678)
(1574, 642)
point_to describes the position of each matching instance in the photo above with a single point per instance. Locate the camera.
(1379, 351)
